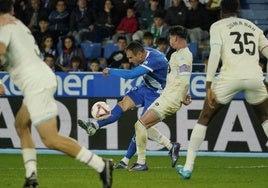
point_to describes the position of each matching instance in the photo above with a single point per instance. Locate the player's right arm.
(127, 74)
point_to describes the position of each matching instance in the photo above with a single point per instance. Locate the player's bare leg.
(262, 113)
(23, 124)
(197, 137)
(50, 137)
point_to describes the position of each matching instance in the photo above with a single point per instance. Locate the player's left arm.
(264, 50)
(3, 49)
(7, 19)
(2, 88)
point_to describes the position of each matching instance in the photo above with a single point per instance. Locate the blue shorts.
(143, 96)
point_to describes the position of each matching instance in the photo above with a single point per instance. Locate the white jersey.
(33, 77)
(24, 62)
(180, 68)
(239, 42)
(177, 86)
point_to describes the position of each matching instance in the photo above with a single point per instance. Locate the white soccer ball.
(100, 110)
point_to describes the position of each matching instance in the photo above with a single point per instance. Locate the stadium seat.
(193, 47)
(91, 50)
(109, 48)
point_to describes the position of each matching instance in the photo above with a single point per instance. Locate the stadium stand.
(91, 50)
(109, 48)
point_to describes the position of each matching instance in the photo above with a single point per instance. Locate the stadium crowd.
(60, 26)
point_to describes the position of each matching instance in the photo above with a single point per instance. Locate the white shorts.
(39, 99)
(225, 89)
(165, 106)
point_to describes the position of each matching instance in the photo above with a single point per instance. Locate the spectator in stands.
(159, 27)
(146, 19)
(148, 39)
(126, 64)
(50, 61)
(20, 7)
(42, 31)
(69, 50)
(82, 20)
(76, 64)
(34, 13)
(49, 5)
(197, 22)
(94, 66)
(213, 7)
(162, 44)
(47, 46)
(121, 7)
(59, 19)
(176, 14)
(127, 26)
(116, 58)
(107, 20)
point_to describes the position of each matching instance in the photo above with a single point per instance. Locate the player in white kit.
(20, 58)
(237, 42)
(174, 94)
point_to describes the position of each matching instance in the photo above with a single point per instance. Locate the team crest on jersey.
(184, 68)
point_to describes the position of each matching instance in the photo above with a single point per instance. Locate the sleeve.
(215, 49)
(129, 74)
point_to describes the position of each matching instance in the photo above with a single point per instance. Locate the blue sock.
(116, 113)
(131, 148)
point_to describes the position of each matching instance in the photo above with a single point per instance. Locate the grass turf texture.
(210, 172)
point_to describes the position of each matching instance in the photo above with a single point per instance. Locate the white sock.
(265, 128)
(197, 137)
(141, 141)
(29, 159)
(156, 136)
(125, 160)
(90, 159)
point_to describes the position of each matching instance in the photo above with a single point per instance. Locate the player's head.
(179, 31)
(229, 7)
(135, 53)
(6, 6)
(177, 36)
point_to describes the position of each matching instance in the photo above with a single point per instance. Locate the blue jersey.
(157, 64)
(154, 70)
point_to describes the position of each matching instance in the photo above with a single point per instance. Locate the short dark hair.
(76, 59)
(5, 6)
(121, 38)
(230, 6)
(179, 31)
(135, 47)
(148, 35)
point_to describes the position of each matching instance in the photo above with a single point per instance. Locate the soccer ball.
(100, 110)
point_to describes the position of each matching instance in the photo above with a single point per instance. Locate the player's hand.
(211, 98)
(7, 19)
(188, 99)
(105, 71)
(2, 89)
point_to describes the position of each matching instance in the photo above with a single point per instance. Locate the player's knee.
(49, 143)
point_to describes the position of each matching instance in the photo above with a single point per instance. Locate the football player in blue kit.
(153, 66)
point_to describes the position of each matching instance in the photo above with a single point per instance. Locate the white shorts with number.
(225, 89)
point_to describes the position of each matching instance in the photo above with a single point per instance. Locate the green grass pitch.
(210, 172)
